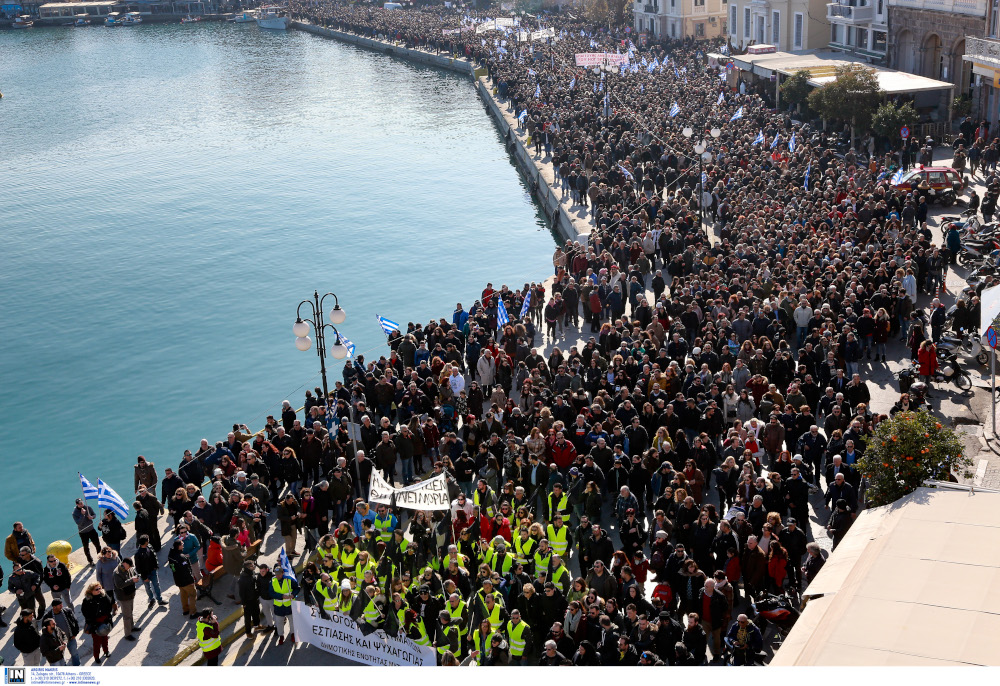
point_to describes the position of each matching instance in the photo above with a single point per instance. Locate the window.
(861, 38)
(746, 22)
(699, 29)
(699, 3)
(797, 38)
(879, 42)
(936, 179)
(733, 9)
(994, 17)
(880, 7)
(776, 29)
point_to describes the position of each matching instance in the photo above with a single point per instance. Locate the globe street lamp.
(301, 330)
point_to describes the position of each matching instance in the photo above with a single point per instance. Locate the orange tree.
(905, 451)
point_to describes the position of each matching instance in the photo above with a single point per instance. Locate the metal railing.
(864, 13)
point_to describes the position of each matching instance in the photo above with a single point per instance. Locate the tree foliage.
(905, 451)
(609, 12)
(853, 97)
(890, 118)
(796, 87)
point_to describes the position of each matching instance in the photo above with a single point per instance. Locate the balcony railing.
(650, 9)
(983, 49)
(972, 8)
(845, 14)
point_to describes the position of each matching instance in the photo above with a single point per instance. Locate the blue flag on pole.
(808, 169)
(760, 138)
(89, 489)
(625, 171)
(791, 143)
(675, 110)
(286, 564)
(774, 143)
(350, 346)
(897, 178)
(523, 115)
(502, 318)
(538, 90)
(738, 114)
(109, 500)
(388, 326)
(526, 306)
(722, 98)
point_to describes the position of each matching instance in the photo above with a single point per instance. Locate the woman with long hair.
(98, 612)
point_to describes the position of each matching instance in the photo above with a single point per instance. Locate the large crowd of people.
(617, 502)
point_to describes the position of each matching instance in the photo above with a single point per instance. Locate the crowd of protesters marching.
(613, 503)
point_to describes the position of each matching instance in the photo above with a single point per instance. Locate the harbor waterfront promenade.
(672, 474)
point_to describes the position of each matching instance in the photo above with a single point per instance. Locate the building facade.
(698, 19)
(860, 28)
(982, 56)
(786, 24)
(927, 37)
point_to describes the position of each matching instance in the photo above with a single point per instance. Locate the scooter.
(777, 610)
(952, 371)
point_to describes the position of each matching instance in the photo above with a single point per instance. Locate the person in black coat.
(840, 522)
(250, 598)
(794, 541)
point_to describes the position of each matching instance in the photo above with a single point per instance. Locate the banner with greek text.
(426, 495)
(341, 636)
(594, 59)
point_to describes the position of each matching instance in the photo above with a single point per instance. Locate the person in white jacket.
(486, 368)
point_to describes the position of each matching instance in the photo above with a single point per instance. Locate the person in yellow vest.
(481, 641)
(447, 638)
(456, 557)
(364, 564)
(543, 556)
(396, 549)
(498, 559)
(519, 637)
(524, 547)
(494, 611)
(373, 613)
(559, 537)
(560, 576)
(557, 502)
(385, 523)
(348, 559)
(328, 590)
(208, 637)
(283, 589)
(459, 611)
(327, 548)
(345, 598)
(484, 498)
(415, 628)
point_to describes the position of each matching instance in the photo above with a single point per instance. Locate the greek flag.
(738, 114)
(651, 68)
(675, 110)
(526, 306)
(388, 326)
(774, 143)
(644, 62)
(572, 83)
(538, 90)
(350, 346)
(897, 178)
(704, 180)
(595, 88)
(89, 489)
(791, 143)
(722, 98)
(286, 565)
(625, 171)
(502, 318)
(109, 500)
(677, 74)
(606, 104)
(523, 115)
(808, 169)
(759, 139)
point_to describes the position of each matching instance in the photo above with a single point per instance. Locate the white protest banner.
(450, 32)
(544, 33)
(426, 495)
(341, 636)
(593, 59)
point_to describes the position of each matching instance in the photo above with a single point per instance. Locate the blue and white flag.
(109, 500)
(808, 169)
(523, 115)
(89, 489)
(774, 143)
(572, 84)
(538, 90)
(526, 306)
(738, 114)
(677, 74)
(286, 565)
(350, 346)
(791, 143)
(722, 98)
(502, 318)
(595, 88)
(388, 326)
(607, 105)
(675, 110)
(625, 171)
(897, 178)
(704, 181)
(759, 139)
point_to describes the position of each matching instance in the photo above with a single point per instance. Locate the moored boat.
(273, 18)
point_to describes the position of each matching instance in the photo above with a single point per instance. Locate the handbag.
(104, 629)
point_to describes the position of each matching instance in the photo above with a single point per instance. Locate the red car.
(945, 182)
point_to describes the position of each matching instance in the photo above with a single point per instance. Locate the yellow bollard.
(61, 549)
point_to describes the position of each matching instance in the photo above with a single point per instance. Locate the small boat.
(273, 18)
(189, 19)
(131, 19)
(247, 17)
(23, 22)
(82, 20)
(113, 19)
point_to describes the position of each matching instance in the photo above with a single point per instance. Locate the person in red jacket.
(563, 452)
(927, 357)
(498, 525)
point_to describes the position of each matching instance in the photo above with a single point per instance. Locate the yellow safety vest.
(348, 560)
(329, 602)
(424, 639)
(456, 613)
(324, 553)
(207, 644)
(492, 498)
(281, 588)
(461, 560)
(558, 541)
(494, 615)
(451, 633)
(372, 615)
(359, 570)
(484, 646)
(342, 604)
(562, 507)
(525, 550)
(557, 574)
(516, 635)
(542, 561)
(384, 527)
(506, 562)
